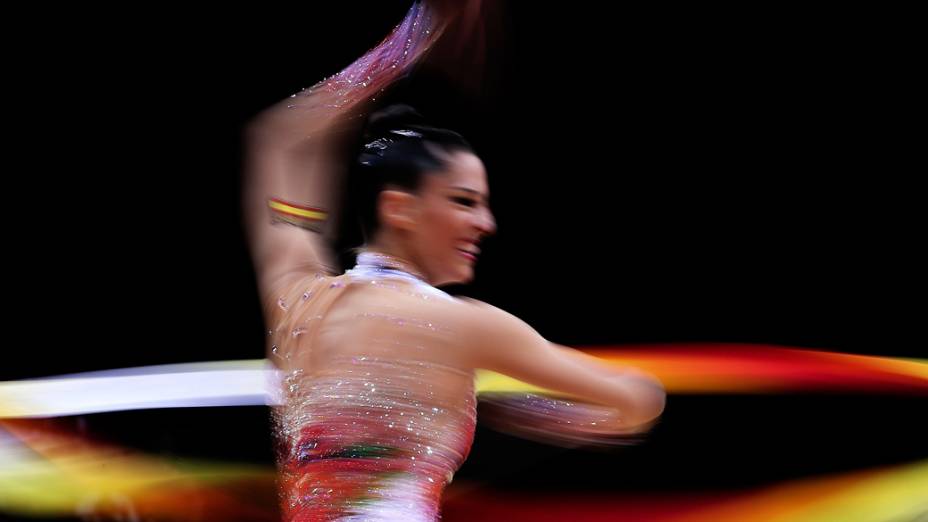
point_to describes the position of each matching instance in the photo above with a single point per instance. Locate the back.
(378, 409)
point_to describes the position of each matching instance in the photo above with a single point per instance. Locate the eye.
(464, 201)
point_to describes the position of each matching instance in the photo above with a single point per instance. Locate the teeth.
(470, 249)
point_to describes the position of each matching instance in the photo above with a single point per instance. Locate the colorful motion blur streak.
(751, 368)
(50, 471)
(898, 493)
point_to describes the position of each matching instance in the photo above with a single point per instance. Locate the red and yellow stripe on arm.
(310, 218)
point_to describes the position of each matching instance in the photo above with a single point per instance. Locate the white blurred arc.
(217, 383)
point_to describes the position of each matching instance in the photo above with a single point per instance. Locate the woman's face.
(453, 216)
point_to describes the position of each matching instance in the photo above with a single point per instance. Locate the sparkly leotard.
(373, 419)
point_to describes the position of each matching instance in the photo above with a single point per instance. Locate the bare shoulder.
(485, 319)
(473, 314)
(494, 338)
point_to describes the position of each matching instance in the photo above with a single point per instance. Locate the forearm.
(646, 395)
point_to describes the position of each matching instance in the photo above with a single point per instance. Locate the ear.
(398, 208)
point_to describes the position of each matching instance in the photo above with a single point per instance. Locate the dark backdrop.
(657, 176)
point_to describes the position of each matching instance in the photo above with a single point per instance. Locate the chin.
(465, 277)
(461, 278)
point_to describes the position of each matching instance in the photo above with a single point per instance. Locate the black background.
(657, 175)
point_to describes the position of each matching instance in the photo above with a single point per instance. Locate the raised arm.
(293, 173)
(501, 342)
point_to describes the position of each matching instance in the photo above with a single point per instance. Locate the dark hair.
(398, 148)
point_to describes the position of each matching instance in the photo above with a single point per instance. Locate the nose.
(486, 223)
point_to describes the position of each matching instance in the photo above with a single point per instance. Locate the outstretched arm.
(501, 342)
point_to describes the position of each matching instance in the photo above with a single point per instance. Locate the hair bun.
(392, 118)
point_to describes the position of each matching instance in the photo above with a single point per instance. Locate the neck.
(383, 258)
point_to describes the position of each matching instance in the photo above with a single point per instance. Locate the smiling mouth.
(467, 255)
